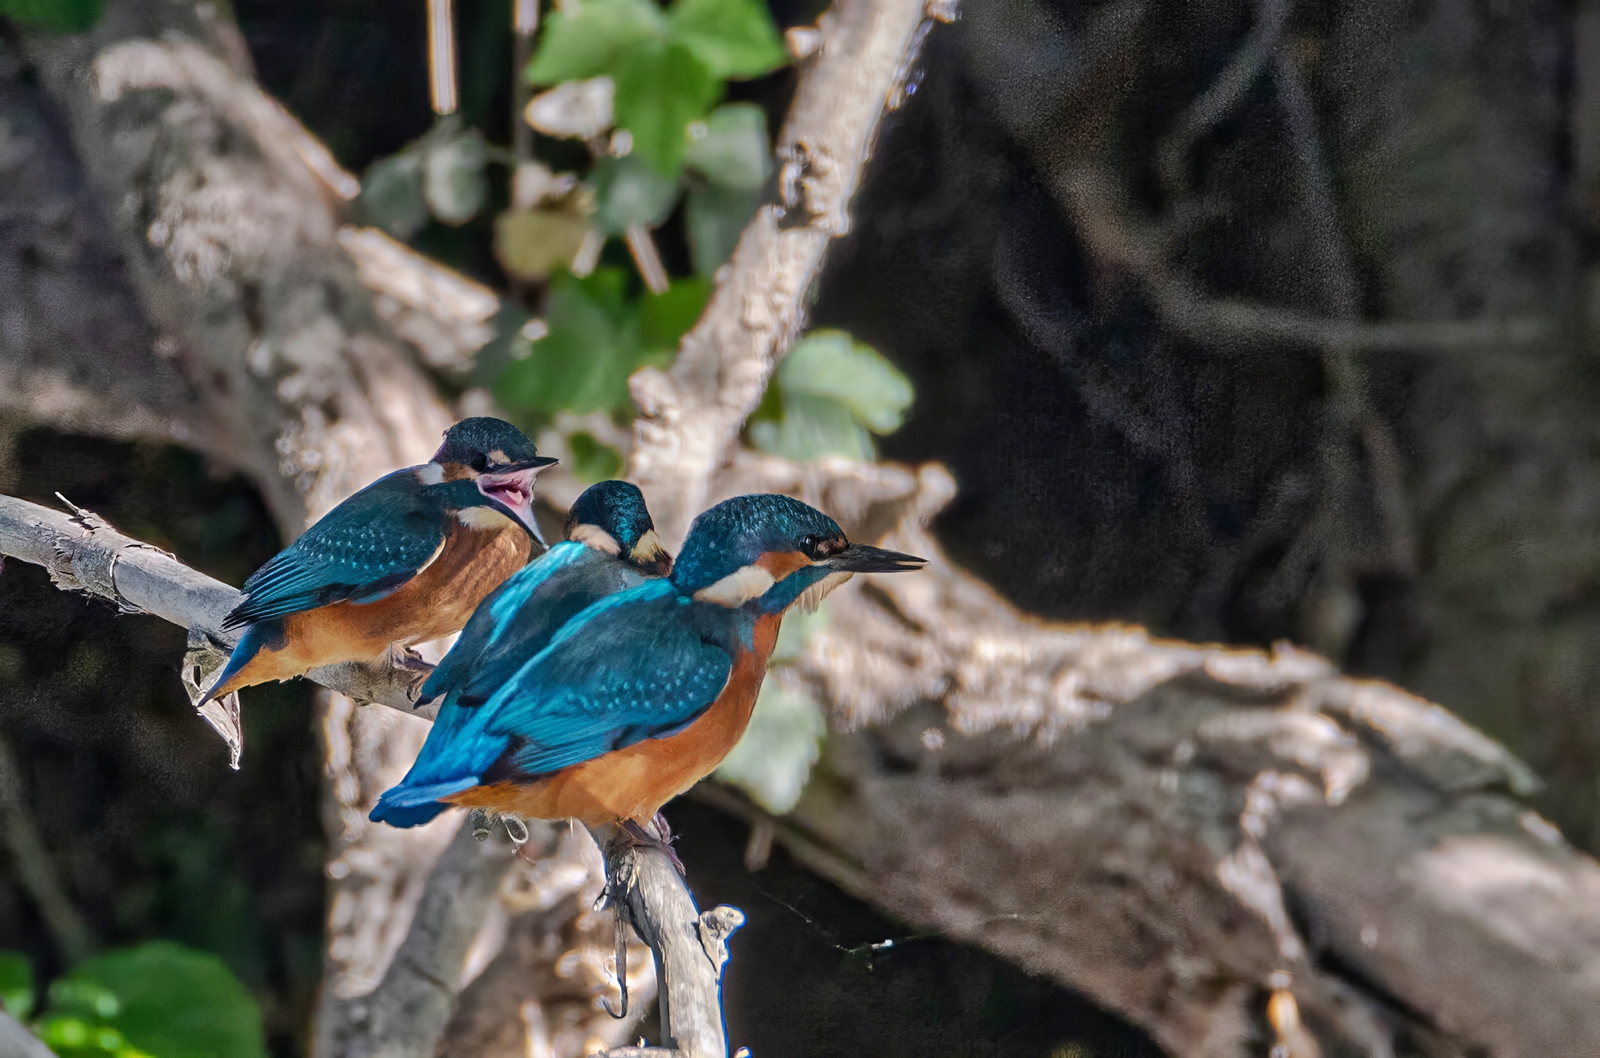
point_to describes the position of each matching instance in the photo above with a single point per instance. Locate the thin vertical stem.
(442, 56)
(524, 24)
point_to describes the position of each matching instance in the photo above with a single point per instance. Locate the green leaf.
(592, 460)
(773, 759)
(453, 180)
(174, 1002)
(661, 88)
(66, 16)
(666, 317)
(631, 191)
(531, 244)
(391, 195)
(731, 146)
(16, 984)
(583, 363)
(734, 38)
(811, 427)
(830, 364)
(715, 217)
(591, 42)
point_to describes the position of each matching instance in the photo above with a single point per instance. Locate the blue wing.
(640, 664)
(519, 619)
(360, 551)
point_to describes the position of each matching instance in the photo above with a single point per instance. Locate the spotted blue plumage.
(362, 550)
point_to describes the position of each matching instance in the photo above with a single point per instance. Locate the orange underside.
(634, 782)
(434, 603)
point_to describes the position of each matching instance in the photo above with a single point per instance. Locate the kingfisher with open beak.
(405, 560)
(646, 691)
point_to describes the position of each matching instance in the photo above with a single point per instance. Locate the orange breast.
(635, 781)
(434, 603)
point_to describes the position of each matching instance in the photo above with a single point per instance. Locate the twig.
(35, 870)
(690, 416)
(1215, 103)
(690, 947)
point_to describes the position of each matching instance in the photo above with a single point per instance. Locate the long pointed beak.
(863, 558)
(536, 463)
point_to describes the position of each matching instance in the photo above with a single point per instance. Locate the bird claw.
(409, 660)
(633, 835)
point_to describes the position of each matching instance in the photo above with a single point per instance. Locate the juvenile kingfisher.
(406, 559)
(610, 545)
(642, 694)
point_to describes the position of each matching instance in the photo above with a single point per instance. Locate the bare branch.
(407, 1013)
(83, 553)
(690, 416)
(690, 946)
(17, 1042)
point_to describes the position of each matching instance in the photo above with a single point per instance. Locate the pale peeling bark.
(690, 415)
(229, 237)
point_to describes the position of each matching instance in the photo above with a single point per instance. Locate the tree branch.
(690, 946)
(691, 415)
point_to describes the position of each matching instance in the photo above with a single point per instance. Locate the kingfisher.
(642, 694)
(404, 560)
(611, 545)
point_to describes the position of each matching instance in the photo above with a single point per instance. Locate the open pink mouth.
(515, 490)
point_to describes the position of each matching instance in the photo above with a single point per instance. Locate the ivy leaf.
(590, 42)
(65, 16)
(391, 195)
(666, 317)
(172, 1001)
(631, 191)
(531, 244)
(773, 759)
(811, 427)
(830, 364)
(583, 362)
(731, 146)
(592, 460)
(16, 984)
(734, 38)
(714, 217)
(660, 88)
(453, 181)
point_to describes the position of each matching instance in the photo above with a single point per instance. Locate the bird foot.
(409, 660)
(656, 835)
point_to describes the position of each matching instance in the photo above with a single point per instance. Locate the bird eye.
(824, 546)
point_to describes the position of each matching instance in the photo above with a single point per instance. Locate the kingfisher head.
(771, 552)
(499, 458)
(611, 517)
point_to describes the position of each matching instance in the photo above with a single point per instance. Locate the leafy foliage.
(597, 337)
(829, 396)
(66, 16)
(157, 1000)
(668, 67)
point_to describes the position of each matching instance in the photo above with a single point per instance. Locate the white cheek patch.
(595, 537)
(738, 587)
(430, 473)
(483, 518)
(649, 548)
(812, 597)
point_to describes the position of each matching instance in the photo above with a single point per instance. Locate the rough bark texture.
(1165, 826)
(690, 416)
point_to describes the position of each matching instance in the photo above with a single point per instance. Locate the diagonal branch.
(690, 416)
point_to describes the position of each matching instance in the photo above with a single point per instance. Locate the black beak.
(526, 464)
(861, 558)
